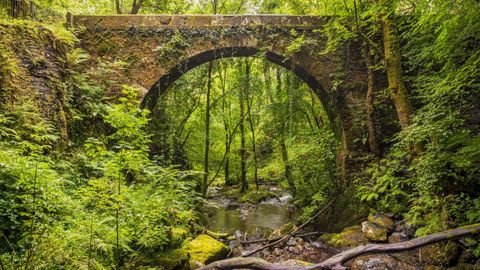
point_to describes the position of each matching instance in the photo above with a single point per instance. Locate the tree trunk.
(243, 153)
(118, 8)
(369, 104)
(136, 6)
(226, 128)
(249, 97)
(207, 131)
(396, 82)
(283, 146)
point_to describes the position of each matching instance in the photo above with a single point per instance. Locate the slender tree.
(249, 99)
(243, 150)
(226, 116)
(207, 131)
(283, 130)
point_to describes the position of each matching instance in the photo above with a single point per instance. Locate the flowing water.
(265, 215)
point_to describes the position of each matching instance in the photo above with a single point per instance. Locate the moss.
(256, 196)
(205, 249)
(174, 259)
(382, 220)
(349, 237)
(374, 232)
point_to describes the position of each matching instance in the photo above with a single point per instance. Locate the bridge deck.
(190, 21)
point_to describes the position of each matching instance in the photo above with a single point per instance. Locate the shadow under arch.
(162, 85)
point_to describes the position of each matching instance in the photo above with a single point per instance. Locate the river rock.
(291, 242)
(204, 250)
(397, 237)
(277, 252)
(285, 199)
(349, 237)
(383, 221)
(381, 262)
(406, 229)
(440, 254)
(293, 262)
(374, 232)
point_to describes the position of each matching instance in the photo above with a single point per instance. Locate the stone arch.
(166, 80)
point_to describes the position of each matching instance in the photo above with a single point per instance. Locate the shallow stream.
(231, 218)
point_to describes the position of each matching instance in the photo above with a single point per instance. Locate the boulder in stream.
(204, 250)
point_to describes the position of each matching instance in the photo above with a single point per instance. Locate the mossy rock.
(349, 237)
(382, 220)
(256, 196)
(374, 232)
(204, 250)
(440, 254)
(172, 260)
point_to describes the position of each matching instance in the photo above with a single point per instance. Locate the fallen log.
(290, 234)
(336, 262)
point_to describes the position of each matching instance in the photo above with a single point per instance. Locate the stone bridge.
(162, 48)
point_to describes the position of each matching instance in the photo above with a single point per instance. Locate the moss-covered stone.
(256, 196)
(441, 254)
(204, 250)
(349, 237)
(382, 220)
(374, 232)
(175, 259)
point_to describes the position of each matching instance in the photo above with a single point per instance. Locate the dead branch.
(337, 261)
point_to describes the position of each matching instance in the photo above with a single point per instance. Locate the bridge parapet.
(192, 21)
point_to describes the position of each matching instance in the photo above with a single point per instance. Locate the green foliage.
(58, 222)
(436, 188)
